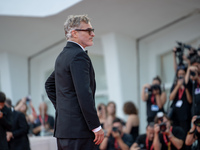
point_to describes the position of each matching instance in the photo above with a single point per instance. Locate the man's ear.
(74, 34)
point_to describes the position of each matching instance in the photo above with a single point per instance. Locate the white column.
(120, 65)
(14, 76)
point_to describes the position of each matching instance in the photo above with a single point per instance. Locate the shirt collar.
(78, 44)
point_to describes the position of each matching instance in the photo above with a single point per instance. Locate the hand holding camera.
(180, 81)
(196, 121)
(115, 132)
(193, 72)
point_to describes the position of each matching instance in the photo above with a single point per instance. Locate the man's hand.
(99, 136)
(193, 120)
(147, 86)
(156, 128)
(156, 92)
(116, 134)
(9, 135)
(1, 115)
(180, 82)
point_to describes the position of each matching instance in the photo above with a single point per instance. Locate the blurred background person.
(18, 137)
(194, 133)
(111, 115)
(132, 123)
(5, 122)
(167, 136)
(154, 98)
(145, 141)
(193, 73)
(44, 124)
(23, 105)
(182, 100)
(101, 112)
(116, 139)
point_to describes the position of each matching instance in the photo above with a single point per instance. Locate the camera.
(99, 108)
(180, 78)
(197, 121)
(192, 73)
(115, 129)
(163, 127)
(154, 87)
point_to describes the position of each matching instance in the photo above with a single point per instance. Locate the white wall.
(14, 76)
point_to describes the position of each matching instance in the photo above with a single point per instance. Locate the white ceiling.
(135, 18)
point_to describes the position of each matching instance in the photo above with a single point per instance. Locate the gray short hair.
(72, 22)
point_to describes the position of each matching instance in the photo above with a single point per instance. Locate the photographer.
(194, 133)
(101, 112)
(193, 73)
(182, 99)
(5, 122)
(166, 136)
(154, 97)
(145, 141)
(115, 139)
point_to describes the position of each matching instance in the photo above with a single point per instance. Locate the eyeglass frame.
(89, 30)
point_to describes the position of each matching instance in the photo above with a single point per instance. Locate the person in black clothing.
(5, 122)
(194, 133)
(155, 99)
(17, 138)
(44, 123)
(193, 73)
(115, 139)
(167, 136)
(182, 100)
(132, 124)
(145, 141)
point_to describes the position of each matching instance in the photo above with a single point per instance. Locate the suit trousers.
(76, 144)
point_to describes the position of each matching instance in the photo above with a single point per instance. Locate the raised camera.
(192, 73)
(115, 129)
(163, 127)
(197, 121)
(180, 78)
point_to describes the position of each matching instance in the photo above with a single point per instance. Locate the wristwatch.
(191, 132)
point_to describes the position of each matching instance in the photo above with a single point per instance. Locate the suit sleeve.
(22, 126)
(80, 70)
(50, 88)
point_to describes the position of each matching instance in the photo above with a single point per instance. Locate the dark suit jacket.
(5, 125)
(71, 88)
(20, 131)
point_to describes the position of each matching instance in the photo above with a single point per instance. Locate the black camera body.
(180, 78)
(115, 129)
(192, 73)
(154, 87)
(197, 121)
(163, 127)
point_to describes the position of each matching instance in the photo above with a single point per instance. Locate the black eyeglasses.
(89, 30)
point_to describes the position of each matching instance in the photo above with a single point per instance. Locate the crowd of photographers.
(16, 125)
(178, 127)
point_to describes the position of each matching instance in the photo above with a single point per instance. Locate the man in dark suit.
(5, 122)
(71, 89)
